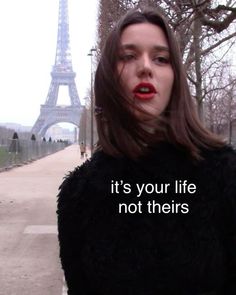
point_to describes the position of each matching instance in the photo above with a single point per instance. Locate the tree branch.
(219, 26)
(207, 50)
(224, 7)
(191, 80)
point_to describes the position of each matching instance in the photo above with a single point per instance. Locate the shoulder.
(97, 167)
(224, 152)
(88, 178)
(227, 165)
(222, 160)
(218, 168)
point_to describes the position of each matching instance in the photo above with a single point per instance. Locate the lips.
(144, 91)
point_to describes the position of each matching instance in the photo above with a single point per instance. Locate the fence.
(17, 152)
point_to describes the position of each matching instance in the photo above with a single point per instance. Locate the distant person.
(82, 150)
(153, 212)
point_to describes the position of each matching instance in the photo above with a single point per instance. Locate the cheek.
(168, 82)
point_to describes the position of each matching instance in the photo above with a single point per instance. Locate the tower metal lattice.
(62, 74)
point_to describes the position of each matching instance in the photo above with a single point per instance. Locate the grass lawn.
(3, 156)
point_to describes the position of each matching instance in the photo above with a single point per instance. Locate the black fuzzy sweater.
(181, 243)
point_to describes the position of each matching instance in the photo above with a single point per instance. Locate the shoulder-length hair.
(120, 132)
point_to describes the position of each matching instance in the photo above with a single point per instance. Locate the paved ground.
(29, 260)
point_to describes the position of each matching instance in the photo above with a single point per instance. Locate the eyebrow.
(134, 47)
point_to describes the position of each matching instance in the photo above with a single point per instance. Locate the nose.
(144, 67)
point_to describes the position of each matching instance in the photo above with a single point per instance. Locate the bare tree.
(220, 100)
(108, 14)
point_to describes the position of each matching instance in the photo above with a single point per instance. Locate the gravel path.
(29, 260)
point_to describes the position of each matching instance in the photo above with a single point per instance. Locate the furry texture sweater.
(184, 242)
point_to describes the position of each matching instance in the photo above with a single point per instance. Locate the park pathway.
(29, 259)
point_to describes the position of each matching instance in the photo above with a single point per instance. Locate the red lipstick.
(144, 91)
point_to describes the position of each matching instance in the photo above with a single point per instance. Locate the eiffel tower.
(62, 74)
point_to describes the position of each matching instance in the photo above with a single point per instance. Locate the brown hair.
(119, 130)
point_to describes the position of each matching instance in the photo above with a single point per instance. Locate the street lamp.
(84, 120)
(84, 125)
(91, 94)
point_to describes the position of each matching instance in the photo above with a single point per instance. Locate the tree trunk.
(197, 50)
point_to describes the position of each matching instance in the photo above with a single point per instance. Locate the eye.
(127, 57)
(161, 60)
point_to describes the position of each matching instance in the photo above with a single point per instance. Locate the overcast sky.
(28, 30)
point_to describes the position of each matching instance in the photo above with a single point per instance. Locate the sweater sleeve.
(79, 197)
(71, 198)
(229, 220)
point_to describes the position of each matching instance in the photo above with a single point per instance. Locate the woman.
(153, 211)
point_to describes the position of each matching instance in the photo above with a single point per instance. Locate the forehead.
(144, 33)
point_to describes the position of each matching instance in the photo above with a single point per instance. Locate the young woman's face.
(144, 67)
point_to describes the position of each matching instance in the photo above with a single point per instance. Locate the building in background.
(56, 132)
